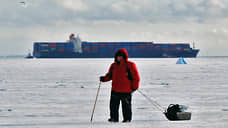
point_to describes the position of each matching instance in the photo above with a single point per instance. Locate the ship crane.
(193, 45)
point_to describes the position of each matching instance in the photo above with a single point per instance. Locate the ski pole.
(158, 106)
(98, 90)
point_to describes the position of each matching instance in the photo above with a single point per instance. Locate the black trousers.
(125, 99)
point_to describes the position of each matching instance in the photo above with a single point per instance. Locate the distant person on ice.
(125, 80)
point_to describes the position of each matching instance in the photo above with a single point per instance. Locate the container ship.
(75, 48)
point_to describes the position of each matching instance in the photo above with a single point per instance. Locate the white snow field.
(60, 93)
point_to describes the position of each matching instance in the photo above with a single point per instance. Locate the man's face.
(119, 58)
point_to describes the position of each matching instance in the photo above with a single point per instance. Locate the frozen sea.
(60, 93)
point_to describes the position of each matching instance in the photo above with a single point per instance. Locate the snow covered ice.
(60, 93)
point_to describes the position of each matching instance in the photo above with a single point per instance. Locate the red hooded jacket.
(124, 75)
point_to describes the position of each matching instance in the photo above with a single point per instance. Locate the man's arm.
(108, 75)
(135, 77)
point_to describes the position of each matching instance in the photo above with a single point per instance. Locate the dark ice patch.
(30, 115)
(142, 108)
(59, 86)
(4, 116)
(55, 115)
(3, 90)
(164, 83)
(224, 109)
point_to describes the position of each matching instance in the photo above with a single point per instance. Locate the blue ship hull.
(107, 50)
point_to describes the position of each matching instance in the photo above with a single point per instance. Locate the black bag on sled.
(174, 113)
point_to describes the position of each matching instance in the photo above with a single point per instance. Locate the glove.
(102, 78)
(133, 90)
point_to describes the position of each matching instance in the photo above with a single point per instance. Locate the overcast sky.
(204, 22)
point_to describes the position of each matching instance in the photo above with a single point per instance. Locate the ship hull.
(107, 50)
(161, 54)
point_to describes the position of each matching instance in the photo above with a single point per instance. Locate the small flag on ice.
(181, 61)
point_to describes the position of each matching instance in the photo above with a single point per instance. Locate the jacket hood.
(121, 52)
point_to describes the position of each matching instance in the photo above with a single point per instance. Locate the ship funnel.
(193, 45)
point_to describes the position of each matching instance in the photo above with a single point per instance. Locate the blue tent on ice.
(181, 61)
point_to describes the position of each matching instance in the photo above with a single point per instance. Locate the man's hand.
(102, 78)
(133, 90)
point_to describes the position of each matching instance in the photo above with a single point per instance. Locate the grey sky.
(201, 21)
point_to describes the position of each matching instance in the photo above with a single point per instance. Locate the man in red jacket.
(125, 80)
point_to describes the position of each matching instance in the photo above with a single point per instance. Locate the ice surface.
(60, 93)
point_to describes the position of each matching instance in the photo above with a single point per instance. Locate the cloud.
(47, 12)
(75, 5)
(153, 11)
(202, 21)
